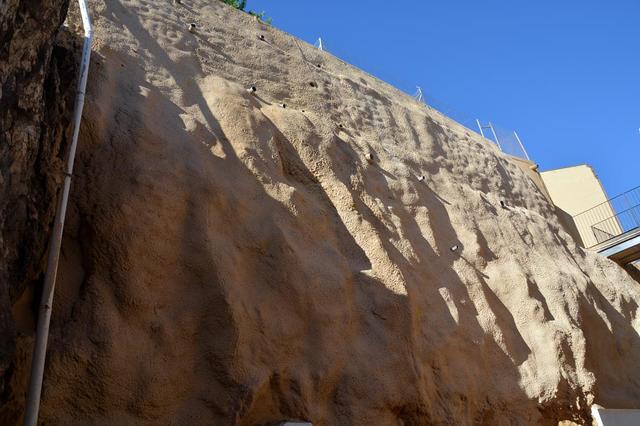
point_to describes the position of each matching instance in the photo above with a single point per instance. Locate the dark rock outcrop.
(36, 97)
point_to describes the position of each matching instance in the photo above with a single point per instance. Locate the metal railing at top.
(507, 140)
(609, 219)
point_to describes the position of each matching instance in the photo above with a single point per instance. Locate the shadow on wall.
(566, 220)
(634, 270)
(120, 208)
(432, 326)
(612, 388)
(121, 160)
(204, 297)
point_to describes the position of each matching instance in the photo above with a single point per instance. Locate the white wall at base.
(615, 417)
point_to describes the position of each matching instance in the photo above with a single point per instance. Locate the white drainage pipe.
(44, 313)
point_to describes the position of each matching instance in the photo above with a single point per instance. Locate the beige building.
(575, 190)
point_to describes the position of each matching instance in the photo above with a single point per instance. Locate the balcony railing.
(619, 224)
(610, 219)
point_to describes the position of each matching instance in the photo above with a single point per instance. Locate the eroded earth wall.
(324, 249)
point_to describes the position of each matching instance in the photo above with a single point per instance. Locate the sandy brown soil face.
(229, 260)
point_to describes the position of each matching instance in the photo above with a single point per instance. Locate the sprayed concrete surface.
(228, 260)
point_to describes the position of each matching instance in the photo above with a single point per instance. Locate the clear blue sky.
(564, 74)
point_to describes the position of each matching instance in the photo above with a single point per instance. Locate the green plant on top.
(260, 16)
(238, 4)
(242, 4)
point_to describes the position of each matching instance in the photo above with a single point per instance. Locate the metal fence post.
(480, 127)
(495, 136)
(521, 145)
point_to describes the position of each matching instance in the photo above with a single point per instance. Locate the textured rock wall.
(35, 83)
(228, 260)
(231, 261)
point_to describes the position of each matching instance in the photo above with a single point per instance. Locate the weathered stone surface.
(35, 83)
(230, 261)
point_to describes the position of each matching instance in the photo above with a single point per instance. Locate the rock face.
(231, 261)
(34, 100)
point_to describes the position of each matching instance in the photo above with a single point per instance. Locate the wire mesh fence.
(508, 141)
(448, 110)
